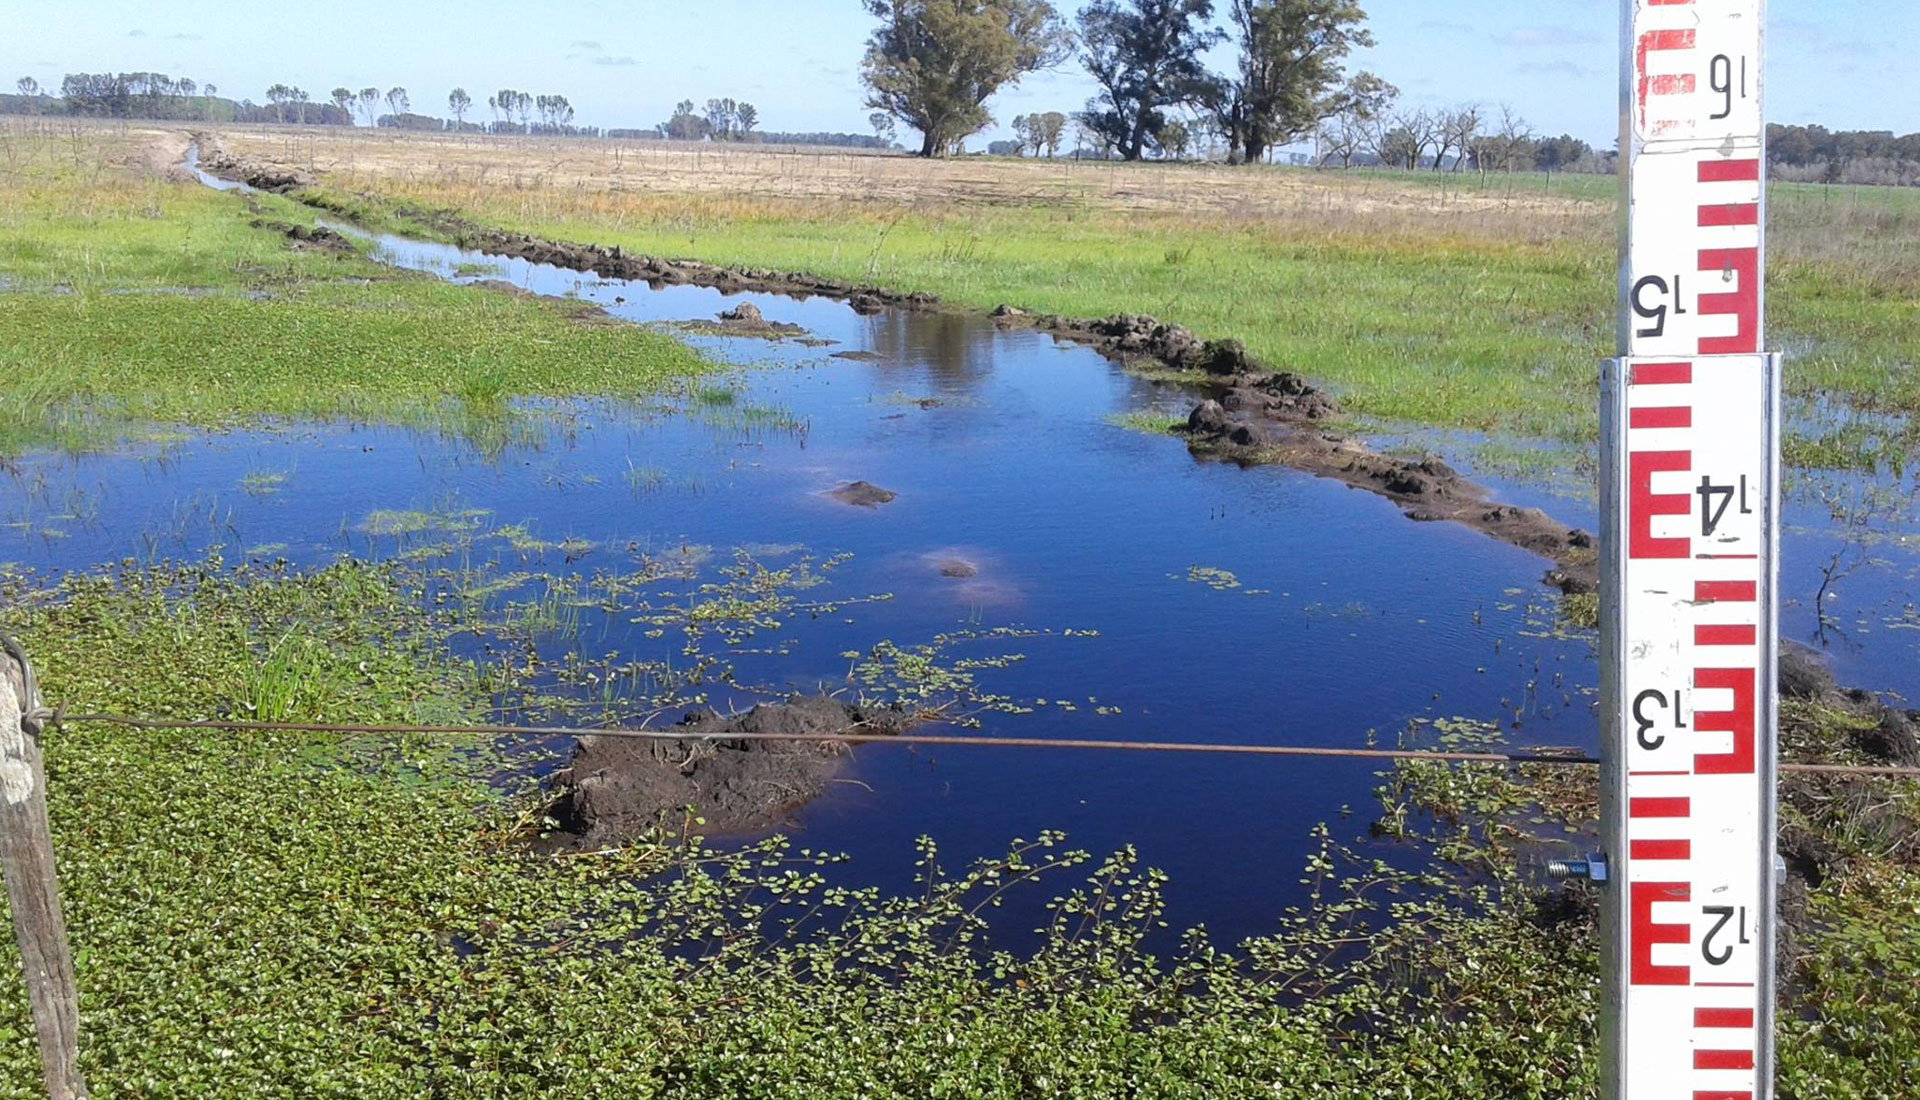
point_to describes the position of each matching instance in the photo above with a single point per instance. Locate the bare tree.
(1456, 131)
(1507, 143)
(459, 103)
(1349, 129)
(503, 102)
(1407, 136)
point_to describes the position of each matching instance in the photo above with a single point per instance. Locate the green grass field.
(133, 306)
(1466, 316)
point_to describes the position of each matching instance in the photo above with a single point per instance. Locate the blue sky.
(1844, 63)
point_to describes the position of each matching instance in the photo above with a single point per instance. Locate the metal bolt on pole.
(1690, 503)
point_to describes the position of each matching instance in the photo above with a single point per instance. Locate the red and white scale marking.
(1693, 435)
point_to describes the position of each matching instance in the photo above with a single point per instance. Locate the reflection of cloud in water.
(989, 593)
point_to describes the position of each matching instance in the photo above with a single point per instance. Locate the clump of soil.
(502, 286)
(1263, 417)
(316, 238)
(1233, 377)
(864, 494)
(261, 175)
(619, 788)
(615, 263)
(744, 319)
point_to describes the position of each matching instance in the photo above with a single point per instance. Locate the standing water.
(1083, 579)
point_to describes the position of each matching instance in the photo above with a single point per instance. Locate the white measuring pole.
(1690, 609)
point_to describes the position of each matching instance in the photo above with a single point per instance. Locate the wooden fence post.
(33, 890)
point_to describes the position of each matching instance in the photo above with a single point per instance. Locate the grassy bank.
(133, 305)
(303, 915)
(1453, 302)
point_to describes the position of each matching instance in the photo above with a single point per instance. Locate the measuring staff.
(1690, 506)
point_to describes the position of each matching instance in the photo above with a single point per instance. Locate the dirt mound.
(261, 175)
(864, 494)
(1262, 417)
(618, 788)
(746, 320)
(317, 238)
(1239, 379)
(615, 263)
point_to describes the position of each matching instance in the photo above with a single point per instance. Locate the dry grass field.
(366, 159)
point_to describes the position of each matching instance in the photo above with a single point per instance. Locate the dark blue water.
(1859, 528)
(1341, 622)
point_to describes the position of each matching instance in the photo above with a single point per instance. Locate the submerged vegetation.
(294, 914)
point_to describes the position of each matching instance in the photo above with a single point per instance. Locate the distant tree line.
(719, 120)
(125, 95)
(1368, 129)
(144, 95)
(1817, 154)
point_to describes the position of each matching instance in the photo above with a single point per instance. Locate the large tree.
(1145, 55)
(933, 64)
(1290, 55)
(459, 103)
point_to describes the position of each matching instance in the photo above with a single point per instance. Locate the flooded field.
(1009, 553)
